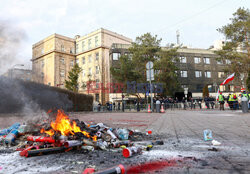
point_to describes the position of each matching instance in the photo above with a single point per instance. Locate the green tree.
(72, 82)
(124, 70)
(165, 68)
(236, 48)
(147, 48)
(205, 91)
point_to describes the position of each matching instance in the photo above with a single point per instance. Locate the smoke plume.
(11, 39)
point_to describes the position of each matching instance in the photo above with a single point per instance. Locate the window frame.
(119, 55)
(182, 58)
(182, 73)
(200, 74)
(206, 74)
(197, 58)
(205, 60)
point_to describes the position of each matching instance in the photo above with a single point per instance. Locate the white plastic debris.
(216, 143)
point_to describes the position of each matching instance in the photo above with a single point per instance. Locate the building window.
(96, 41)
(222, 88)
(62, 61)
(210, 87)
(62, 73)
(97, 56)
(62, 48)
(197, 60)
(89, 44)
(183, 73)
(42, 75)
(206, 60)
(83, 60)
(97, 97)
(199, 87)
(90, 72)
(90, 59)
(77, 61)
(83, 45)
(221, 74)
(183, 59)
(208, 74)
(228, 61)
(116, 56)
(42, 51)
(231, 88)
(77, 48)
(219, 62)
(198, 74)
(97, 83)
(71, 63)
(97, 69)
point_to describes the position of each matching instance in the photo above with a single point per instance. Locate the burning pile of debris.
(60, 134)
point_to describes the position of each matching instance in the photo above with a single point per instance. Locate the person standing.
(199, 102)
(206, 100)
(211, 101)
(230, 101)
(235, 101)
(221, 101)
(119, 106)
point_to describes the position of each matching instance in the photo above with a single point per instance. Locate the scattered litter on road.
(62, 134)
(216, 143)
(213, 149)
(207, 135)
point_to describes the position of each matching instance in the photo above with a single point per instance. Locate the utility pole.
(150, 77)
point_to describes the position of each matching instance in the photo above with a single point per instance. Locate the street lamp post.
(12, 68)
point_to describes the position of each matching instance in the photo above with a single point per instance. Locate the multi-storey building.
(196, 69)
(54, 56)
(92, 55)
(21, 74)
(200, 67)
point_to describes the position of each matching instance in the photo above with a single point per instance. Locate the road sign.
(149, 65)
(147, 93)
(150, 74)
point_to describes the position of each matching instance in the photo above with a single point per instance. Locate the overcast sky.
(196, 20)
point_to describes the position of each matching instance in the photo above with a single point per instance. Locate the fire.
(63, 125)
(49, 132)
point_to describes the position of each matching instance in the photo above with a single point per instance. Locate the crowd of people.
(232, 100)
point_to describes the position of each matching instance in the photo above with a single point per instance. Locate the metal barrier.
(166, 106)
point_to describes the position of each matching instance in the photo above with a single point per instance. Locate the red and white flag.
(228, 79)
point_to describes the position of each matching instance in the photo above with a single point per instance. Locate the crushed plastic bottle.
(7, 131)
(10, 138)
(123, 134)
(22, 129)
(208, 135)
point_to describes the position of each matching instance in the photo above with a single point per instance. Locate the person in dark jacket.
(206, 100)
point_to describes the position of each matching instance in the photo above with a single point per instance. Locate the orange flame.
(62, 124)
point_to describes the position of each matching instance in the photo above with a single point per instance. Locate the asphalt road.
(182, 132)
